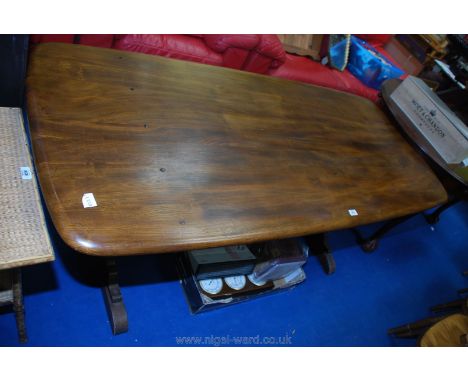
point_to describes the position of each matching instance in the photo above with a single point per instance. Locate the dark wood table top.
(181, 155)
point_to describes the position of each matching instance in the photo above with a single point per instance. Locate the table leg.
(318, 246)
(370, 244)
(433, 218)
(114, 300)
(18, 306)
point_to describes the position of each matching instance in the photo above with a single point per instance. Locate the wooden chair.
(448, 329)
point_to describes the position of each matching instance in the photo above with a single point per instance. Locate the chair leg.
(18, 306)
(460, 305)
(414, 329)
(464, 340)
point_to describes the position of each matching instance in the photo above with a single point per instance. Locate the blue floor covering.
(414, 267)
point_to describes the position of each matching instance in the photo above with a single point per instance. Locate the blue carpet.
(414, 267)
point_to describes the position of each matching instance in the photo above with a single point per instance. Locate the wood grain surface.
(181, 155)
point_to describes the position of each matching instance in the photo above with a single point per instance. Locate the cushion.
(182, 47)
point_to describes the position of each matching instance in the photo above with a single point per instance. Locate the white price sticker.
(88, 200)
(25, 173)
(353, 213)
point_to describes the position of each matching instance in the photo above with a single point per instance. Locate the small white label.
(88, 200)
(353, 213)
(25, 173)
(465, 162)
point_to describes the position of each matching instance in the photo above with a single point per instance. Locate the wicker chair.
(24, 239)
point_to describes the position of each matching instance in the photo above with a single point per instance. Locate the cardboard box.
(403, 57)
(439, 132)
(302, 44)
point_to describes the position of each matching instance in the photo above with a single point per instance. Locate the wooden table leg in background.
(113, 299)
(433, 218)
(370, 244)
(318, 246)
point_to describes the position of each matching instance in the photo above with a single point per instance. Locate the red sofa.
(220, 50)
(262, 54)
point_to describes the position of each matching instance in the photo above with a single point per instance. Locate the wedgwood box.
(442, 135)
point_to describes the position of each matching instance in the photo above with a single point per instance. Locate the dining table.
(139, 154)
